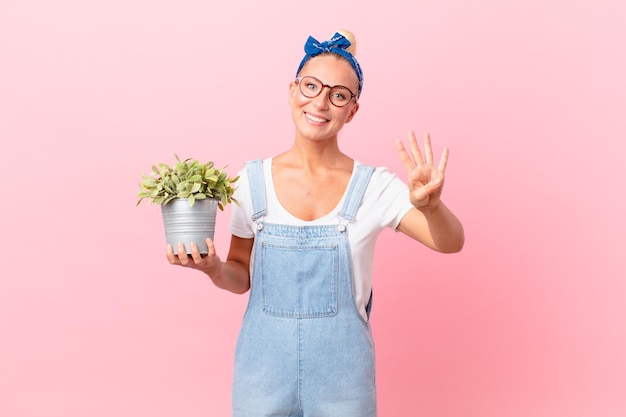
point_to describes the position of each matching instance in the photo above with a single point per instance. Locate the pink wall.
(531, 99)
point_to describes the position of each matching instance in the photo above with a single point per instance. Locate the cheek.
(351, 113)
(295, 98)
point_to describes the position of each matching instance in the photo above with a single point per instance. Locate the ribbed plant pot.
(186, 224)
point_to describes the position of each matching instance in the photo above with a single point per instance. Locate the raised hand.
(425, 181)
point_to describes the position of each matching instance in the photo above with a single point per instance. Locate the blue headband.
(336, 45)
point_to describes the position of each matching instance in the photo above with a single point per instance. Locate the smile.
(315, 118)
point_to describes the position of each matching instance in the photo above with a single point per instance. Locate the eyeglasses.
(338, 95)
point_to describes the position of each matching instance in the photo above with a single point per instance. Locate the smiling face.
(317, 118)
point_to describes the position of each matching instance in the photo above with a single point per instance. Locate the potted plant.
(189, 194)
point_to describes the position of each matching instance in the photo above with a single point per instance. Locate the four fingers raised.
(418, 158)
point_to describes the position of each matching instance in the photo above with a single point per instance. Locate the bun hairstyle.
(349, 36)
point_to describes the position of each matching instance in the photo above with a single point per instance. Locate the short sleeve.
(391, 197)
(241, 215)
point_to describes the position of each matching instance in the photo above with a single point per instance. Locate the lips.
(315, 119)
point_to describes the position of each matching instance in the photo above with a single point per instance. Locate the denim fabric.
(304, 350)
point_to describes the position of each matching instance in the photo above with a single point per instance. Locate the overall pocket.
(299, 281)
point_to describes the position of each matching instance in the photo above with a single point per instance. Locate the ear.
(293, 89)
(355, 108)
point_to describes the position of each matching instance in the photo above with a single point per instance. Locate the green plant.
(187, 179)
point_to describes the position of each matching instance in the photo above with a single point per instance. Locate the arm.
(430, 222)
(232, 275)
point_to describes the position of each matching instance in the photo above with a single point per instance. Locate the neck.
(315, 155)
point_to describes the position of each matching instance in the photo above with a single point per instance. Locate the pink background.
(529, 320)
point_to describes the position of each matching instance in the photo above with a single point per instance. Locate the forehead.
(331, 69)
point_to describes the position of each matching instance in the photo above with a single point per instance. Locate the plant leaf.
(196, 187)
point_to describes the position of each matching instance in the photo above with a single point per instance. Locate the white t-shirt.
(385, 202)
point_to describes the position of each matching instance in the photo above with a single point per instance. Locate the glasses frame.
(330, 88)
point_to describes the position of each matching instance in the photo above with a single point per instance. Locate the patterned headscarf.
(338, 44)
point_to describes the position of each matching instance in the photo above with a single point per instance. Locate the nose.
(322, 100)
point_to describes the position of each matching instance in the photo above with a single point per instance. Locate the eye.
(311, 86)
(339, 96)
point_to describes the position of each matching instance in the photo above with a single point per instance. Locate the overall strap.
(256, 180)
(355, 192)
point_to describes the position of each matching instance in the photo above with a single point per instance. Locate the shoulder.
(382, 177)
(387, 197)
(249, 166)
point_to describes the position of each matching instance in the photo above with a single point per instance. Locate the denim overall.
(304, 350)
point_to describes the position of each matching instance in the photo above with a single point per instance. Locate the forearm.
(445, 230)
(436, 227)
(231, 276)
(234, 274)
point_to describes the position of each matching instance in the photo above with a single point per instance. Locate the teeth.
(316, 119)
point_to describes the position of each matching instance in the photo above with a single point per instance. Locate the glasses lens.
(310, 87)
(340, 96)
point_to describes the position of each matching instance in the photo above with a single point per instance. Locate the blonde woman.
(303, 242)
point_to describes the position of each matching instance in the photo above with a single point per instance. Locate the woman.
(303, 242)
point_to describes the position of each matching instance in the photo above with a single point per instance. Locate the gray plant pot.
(186, 224)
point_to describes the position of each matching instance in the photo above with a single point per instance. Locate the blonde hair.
(349, 36)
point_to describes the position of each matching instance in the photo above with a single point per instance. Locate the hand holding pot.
(207, 263)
